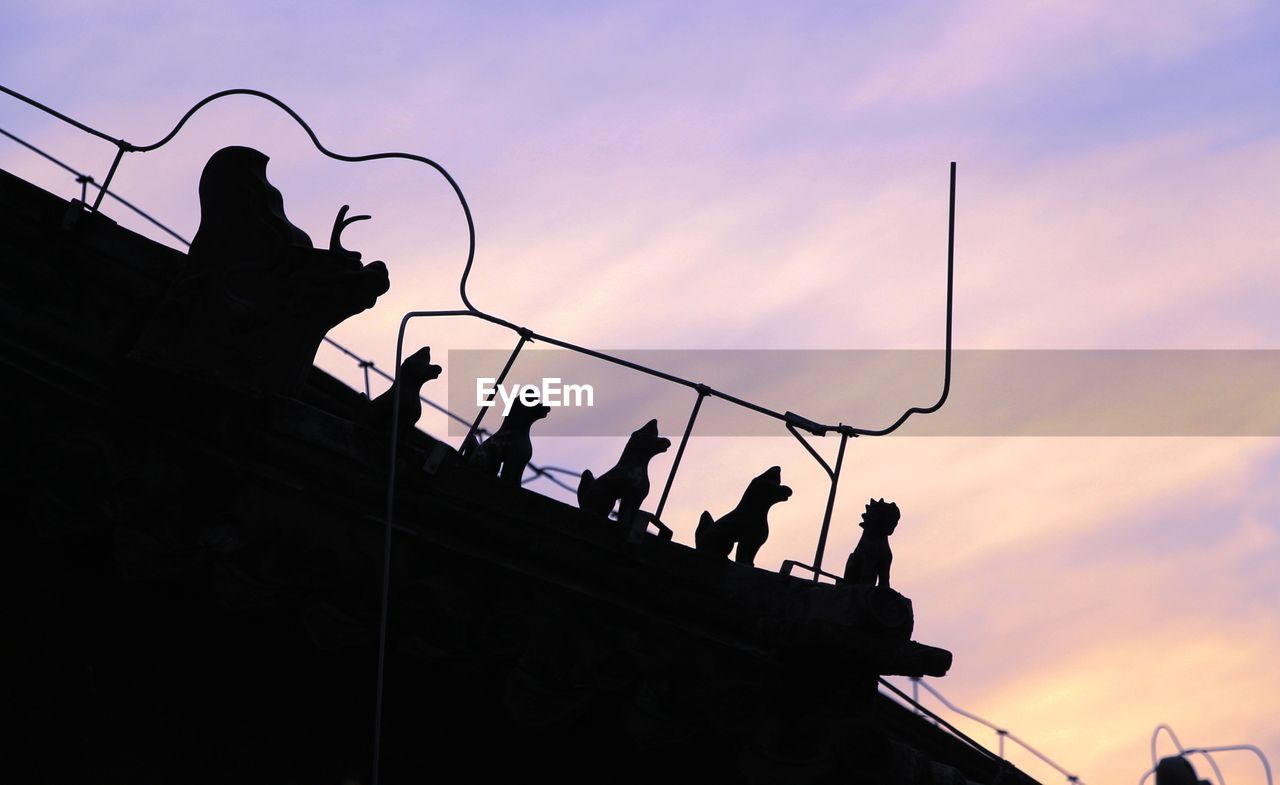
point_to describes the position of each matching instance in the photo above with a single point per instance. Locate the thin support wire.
(1266, 765)
(111, 173)
(1183, 752)
(684, 442)
(467, 443)
(544, 472)
(959, 734)
(831, 505)
(1155, 738)
(86, 180)
(1155, 757)
(1002, 733)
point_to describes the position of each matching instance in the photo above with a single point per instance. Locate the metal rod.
(543, 473)
(85, 179)
(475, 425)
(937, 720)
(1155, 739)
(684, 440)
(946, 371)
(805, 443)
(57, 114)
(987, 723)
(1266, 765)
(831, 504)
(121, 146)
(364, 366)
(386, 549)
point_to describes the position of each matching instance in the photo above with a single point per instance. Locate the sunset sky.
(736, 176)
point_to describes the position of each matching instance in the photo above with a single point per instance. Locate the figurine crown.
(880, 511)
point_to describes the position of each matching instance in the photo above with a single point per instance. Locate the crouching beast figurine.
(747, 524)
(627, 483)
(508, 452)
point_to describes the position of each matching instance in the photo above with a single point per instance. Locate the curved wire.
(538, 471)
(81, 177)
(946, 372)
(953, 729)
(124, 146)
(544, 473)
(1155, 738)
(315, 140)
(1266, 765)
(61, 116)
(1000, 731)
(1155, 757)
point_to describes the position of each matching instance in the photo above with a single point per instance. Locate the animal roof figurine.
(747, 524)
(509, 451)
(415, 371)
(256, 298)
(869, 563)
(627, 483)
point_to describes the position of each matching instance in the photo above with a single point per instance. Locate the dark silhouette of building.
(195, 564)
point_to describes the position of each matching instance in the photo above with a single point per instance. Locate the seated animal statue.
(415, 371)
(869, 563)
(256, 298)
(627, 483)
(507, 452)
(747, 524)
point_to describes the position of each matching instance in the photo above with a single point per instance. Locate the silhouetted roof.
(523, 632)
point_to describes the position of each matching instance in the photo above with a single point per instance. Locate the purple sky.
(723, 176)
